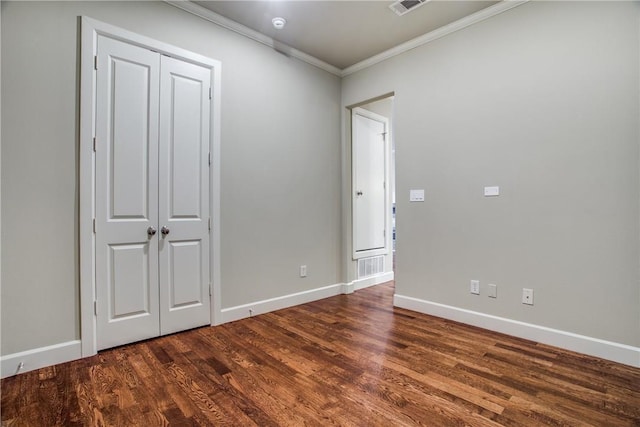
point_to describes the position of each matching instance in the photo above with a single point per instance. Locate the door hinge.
(95, 62)
(95, 308)
(384, 233)
(209, 93)
(209, 289)
(384, 136)
(209, 223)
(210, 158)
(94, 144)
(94, 225)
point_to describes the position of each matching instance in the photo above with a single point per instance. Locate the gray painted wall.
(542, 100)
(280, 179)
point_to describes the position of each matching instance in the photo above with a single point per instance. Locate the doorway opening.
(373, 238)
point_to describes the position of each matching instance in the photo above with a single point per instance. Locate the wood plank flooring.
(349, 360)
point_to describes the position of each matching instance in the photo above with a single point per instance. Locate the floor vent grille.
(371, 266)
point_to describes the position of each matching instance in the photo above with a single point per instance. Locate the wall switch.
(527, 296)
(416, 195)
(303, 271)
(491, 191)
(475, 287)
(493, 290)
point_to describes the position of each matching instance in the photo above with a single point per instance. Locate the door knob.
(151, 231)
(164, 230)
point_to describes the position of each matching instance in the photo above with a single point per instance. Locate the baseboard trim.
(372, 281)
(232, 314)
(40, 358)
(612, 351)
(348, 288)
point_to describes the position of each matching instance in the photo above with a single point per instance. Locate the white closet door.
(184, 195)
(126, 193)
(369, 154)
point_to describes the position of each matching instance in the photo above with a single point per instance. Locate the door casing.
(90, 30)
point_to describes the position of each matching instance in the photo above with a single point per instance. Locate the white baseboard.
(238, 312)
(616, 352)
(40, 358)
(265, 306)
(372, 281)
(72, 350)
(348, 288)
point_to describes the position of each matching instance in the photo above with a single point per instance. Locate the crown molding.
(229, 24)
(460, 24)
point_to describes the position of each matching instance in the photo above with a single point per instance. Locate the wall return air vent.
(370, 266)
(402, 7)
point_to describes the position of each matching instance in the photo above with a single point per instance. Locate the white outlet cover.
(491, 191)
(527, 296)
(416, 195)
(474, 287)
(493, 290)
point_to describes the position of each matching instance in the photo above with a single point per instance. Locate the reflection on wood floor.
(348, 360)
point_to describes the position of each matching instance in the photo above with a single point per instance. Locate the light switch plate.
(491, 191)
(416, 195)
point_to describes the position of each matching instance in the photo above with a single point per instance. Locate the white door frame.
(90, 30)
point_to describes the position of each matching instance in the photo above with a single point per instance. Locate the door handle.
(358, 193)
(164, 230)
(151, 231)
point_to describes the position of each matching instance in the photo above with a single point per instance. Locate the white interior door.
(126, 193)
(369, 189)
(184, 196)
(152, 194)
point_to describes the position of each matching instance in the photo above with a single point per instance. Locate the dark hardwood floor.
(347, 360)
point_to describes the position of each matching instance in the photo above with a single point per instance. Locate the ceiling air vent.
(402, 7)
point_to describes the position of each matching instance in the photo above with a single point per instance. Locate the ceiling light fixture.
(278, 23)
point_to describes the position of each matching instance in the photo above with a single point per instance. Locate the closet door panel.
(184, 195)
(126, 162)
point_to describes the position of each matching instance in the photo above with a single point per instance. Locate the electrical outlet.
(493, 290)
(303, 271)
(527, 296)
(491, 191)
(475, 287)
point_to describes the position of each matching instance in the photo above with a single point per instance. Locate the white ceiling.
(343, 33)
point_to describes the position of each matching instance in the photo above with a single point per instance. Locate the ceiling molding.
(229, 24)
(460, 24)
(465, 22)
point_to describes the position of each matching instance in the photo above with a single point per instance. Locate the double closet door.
(152, 194)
